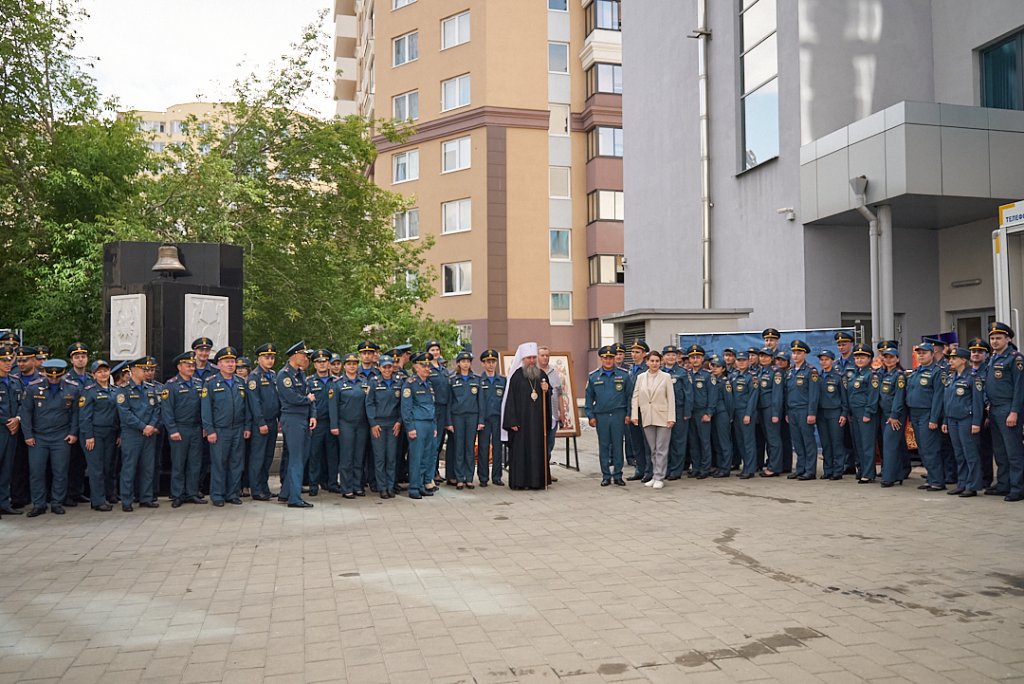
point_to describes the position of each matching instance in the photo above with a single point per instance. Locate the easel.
(575, 452)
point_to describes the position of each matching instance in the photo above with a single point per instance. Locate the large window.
(561, 308)
(455, 92)
(559, 247)
(406, 48)
(558, 182)
(407, 224)
(559, 122)
(457, 216)
(401, 3)
(601, 333)
(605, 15)
(605, 205)
(604, 78)
(604, 141)
(558, 5)
(458, 278)
(455, 30)
(405, 166)
(606, 269)
(455, 154)
(1002, 74)
(759, 69)
(406, 107)
(558, 58)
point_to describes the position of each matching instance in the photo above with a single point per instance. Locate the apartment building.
(168, 127)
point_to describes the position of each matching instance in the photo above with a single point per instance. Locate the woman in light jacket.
(654, 406)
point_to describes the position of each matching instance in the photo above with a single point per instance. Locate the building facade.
(857, 152)
(514, 164)
(169, 127)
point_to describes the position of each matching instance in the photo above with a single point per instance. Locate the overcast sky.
(155, 54)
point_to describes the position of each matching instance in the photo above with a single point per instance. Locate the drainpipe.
(885, 278)
(873, 262)
(703, 35)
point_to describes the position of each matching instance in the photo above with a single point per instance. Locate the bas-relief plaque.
(206, 316)
(127, 326)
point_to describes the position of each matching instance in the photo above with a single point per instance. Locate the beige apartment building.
(515, 165)
(167, 127)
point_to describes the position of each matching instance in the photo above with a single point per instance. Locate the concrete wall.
(965, 253)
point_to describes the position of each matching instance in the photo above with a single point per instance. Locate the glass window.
(402, 3)
(760, 64)
(604, 78)
(605, 205)
(405, 166)
(604, 15)
(604, 141)
(406, 48)
(559, 245)
(558, 182)
(1002, 74)
(559, 119)
(406, 107)
(561, 307)
(407, 224)
(455, 30)
(761, 124)
(464, 334)
(455, 92)
(458, 278)
(758, 23)
(601, 333)
(455, 154)
(558, 5)
(759, 68)
(606, 269)
(457, 216)
(558, 58)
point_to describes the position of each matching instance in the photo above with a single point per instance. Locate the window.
(604, 205)
(559, 245)
(157, 146)
(558, 182)
(559, 124)
(604, 78)
(412, 280)
(455, 92)
(1002, 74)
(464, 334)
(406, 107)
(405, 166)
(455, 155)
(558, 58)
(601, 333)
(457, 216)
(605, 15)
(759, 69)
(561, 308)
(604, 141)
(406, 48)
(407, 224)
(558, 5)
(458, 278)
(398, 4)
(176, 128)
(455, 30)
(606, 269)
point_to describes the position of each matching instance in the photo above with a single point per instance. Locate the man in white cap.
(526, 419)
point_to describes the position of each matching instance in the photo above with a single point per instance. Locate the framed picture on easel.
(568, 412)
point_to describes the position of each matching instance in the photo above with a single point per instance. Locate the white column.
(886, 314)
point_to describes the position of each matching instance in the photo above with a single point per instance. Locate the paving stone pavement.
(718, 581)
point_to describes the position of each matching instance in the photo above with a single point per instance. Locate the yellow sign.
(1011, 215)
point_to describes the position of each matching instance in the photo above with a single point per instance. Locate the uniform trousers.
(721, 441)
(895, 458)
(700, 444)
(49, 450)
(260, 458)
(677, 445)
(317, 462)
(1008, 450)
(385, 450)
(641, 452)
(489, 442)
(100, 463)
(8, 443)
(832, 450)
(351, 446)
(186, 463)
(463, 441)
(227, 457)
(296, 440)
(804, 442)
(421, 454)
(743, 440)
(965, 447)
(864, 442)
(928, 447)
(138, 456)
(611, 428)
(772, 439)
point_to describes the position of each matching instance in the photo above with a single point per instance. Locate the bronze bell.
(167, 260)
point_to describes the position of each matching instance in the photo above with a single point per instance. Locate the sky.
(151, 55)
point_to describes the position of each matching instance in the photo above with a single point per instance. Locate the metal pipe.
(703, 35)
(873, 264)
(886, 311)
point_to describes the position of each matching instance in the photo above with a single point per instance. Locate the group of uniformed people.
(358, 421)
(754, 409)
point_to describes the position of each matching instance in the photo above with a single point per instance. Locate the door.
(970, 324)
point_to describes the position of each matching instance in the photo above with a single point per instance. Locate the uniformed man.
(770, 409)
(771, 339)
(202, 347)
(962, 418)
(463, 421)
(138, 412)
(721, 419)
(637, 443)
(980, 350)
(705, 399)
(323, 464)
(266, 422)
(682, 391)
(119, 374)
(182, 419)
(862, 395)
(442, 395)
(227, 422)
(346, 405)
(384, 415)
(832, 411)
(1004, 388)
(78, 356)
(49, 418)
(369, 352)
(418, 417)
(802, 396)
(742, 384)
(606, 404)
(924, 405)
(297, 421)
(98, 429)
(892, 410)
(149, 377)
(729, 355)
(782, 362)
(845, 366)
(492, 389)
(11, 394)
(401, 355)
(27, 373)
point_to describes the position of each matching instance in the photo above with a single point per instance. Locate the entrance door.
(968, 324)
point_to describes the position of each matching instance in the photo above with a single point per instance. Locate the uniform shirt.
(963, 398)
(1004, 380)
(892, 391)
(464, 396)
(158, 388)
(924, 390)
(263, 394)
(97, 410)
(206, 372)
(743, 386)
(442, 390)
(83, 380)
(832, 394)
(11, 394)
(137, 406)
(769, 390)
(320, 387)
(803, 388)
(418, 401)
(368, 374)
(180, 404)
(682, 389)
(291, 391)
(705, 393)
(346, 401)
(607, 392)
(862, 391)
(224, 404)
(384, 401)
(492, 389)
(723, 392)
(50, 410)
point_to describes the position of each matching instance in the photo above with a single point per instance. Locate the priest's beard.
(531, 372)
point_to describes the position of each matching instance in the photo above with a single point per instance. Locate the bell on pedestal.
(167, 260)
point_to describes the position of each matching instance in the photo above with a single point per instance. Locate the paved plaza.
(720, 580)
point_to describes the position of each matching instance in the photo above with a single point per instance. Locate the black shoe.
(866, 480)
(721, 473)
(413, 494)
(300, 504)
(765, 473)
(992, 491)
(499, 483)
(114, 500)
(619, 483)
(886, 485)
(968, 493)
(702, 476)
(260, 497)
(691, 474)
(923, 487)
(346, 495)
(82, 498)
(1013, 497)
(383, 495)
(645, 479)
(634, 478)
(805, 478)
(103, 508)
(176, 503)
(836, 477)
(282, 499)
(956, 492)
(71, 502)
(792, 476)
(747, 476)
(236, 501)
(672, 478)
(399, 487)
(605, 482)
(36, 510)
(127, 508)
(360, 492)
(929, 488)
(150, 504)
(57, 509)
(373, 488)
(334, 489)
(218, 504)
(196, 500)
(314, 490)
(483, 484)
(7, 510)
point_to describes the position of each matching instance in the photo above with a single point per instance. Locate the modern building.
(817, 163)
(169, 127)
(514, 166)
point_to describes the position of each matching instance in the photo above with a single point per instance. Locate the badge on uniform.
(900, 382)
(81, 402)
(799, 381)
(700, 384)
(618, 386)
(498, 391)
(728, 387)
(287, 382)
(396, 394)
(874, 382)
(778, 378)
(472, 390)
(202, 393)
(960, 391)
(856, 384)
(999, 373)
(924, 381)
(830, 388)
(120, 397)
(252, 385)
(164, 393)
(330, 393)
(366, 389)
(979, 384)
(407, 393)
(152, 401)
